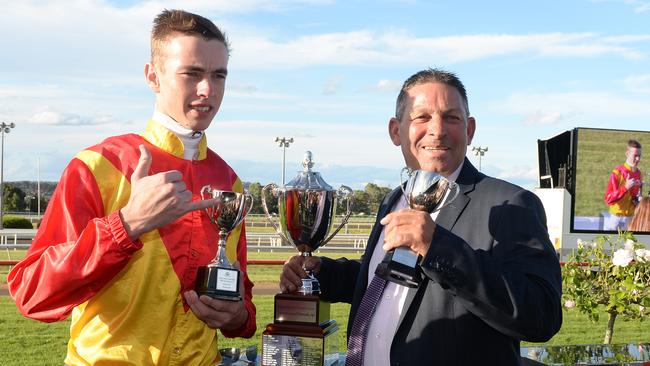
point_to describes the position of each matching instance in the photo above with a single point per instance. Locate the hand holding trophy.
(219, 279)
(302, 333)
(423, 191)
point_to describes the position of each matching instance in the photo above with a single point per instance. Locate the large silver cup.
(306, 209)
(219, 279)
(423, 191)
(302, 332)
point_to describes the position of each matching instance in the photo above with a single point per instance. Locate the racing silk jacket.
(621, 201)
(125, 296)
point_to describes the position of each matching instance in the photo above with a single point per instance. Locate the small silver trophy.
(423, 191)
(219, 279)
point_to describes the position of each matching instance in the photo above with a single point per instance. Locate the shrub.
(15, 222)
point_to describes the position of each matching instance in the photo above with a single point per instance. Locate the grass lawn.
(28, 342)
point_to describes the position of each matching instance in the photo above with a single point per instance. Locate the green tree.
(255, 189)
(375, 195)
(358, 205)
(13, 198)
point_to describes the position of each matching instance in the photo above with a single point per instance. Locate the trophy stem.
(310, 285)
(221, 259)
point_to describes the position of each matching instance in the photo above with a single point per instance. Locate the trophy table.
(302, 333)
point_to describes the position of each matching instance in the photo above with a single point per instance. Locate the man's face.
(189, 85)
(633, 156)
(434, 131)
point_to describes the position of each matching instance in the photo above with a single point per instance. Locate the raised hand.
(156, 200)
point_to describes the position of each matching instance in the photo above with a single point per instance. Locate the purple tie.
(359, 331)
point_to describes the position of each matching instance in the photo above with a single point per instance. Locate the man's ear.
(151, 76)
(393, 131)
(471, 128)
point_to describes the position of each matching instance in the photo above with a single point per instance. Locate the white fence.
(22, 238)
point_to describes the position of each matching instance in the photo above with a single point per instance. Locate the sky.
(327, 74)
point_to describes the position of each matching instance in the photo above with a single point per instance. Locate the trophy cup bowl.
(306, 208)
(423, 191)
(219, 279)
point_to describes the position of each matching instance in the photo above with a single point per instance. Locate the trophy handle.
(266, 188)
(402, 184)
(245, 207)
(206, 193)
(346, 193)
(456, 190)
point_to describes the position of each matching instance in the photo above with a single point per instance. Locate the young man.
(490, 276)
(125, 231)
(624, 189)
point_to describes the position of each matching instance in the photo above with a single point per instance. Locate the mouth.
(201, 108)
(434, 148)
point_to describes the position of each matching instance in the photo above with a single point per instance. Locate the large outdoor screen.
(595, 154)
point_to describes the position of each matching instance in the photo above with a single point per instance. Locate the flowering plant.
(611, 271)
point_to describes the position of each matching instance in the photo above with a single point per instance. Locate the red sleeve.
(77, 250)
(248, 329)
(615, 191)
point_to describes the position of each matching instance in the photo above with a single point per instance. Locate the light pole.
(4, 128)
(479, 151)
(283, 142)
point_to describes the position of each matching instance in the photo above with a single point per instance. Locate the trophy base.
(300, 345)
(218, 283)
(400, 266)
(300, 309)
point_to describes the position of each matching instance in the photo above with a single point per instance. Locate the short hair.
(173, 21)
(633, 143)
(431, 75)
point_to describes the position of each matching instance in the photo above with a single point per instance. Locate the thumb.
(144, 163)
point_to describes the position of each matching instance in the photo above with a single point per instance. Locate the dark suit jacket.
(491, 278)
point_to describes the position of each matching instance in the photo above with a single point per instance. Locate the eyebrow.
(221, 70)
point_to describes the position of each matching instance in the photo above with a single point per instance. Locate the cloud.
(638, 6)
(638, 83)
(332, 85)
(51, 117)
(546, 108)
(385, 85)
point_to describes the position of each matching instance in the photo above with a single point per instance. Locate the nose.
(436, 126)
(205, 88)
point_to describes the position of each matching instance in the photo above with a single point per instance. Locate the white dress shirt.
(384, 322)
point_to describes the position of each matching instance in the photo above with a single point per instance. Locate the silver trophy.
(302, 332)
(423, 191)
(219, 279)
(306, 208)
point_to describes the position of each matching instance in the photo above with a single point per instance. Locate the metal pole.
(479, 151)
(4, 127)
(2, 186)
(38, 188)
(283, 142)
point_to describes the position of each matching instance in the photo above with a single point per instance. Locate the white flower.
(641, 308)
(623, 257)
(642, 255)
(569, 304)
(581, 243)
(629, 245)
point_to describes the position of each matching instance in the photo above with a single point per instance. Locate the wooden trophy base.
(218, 283)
